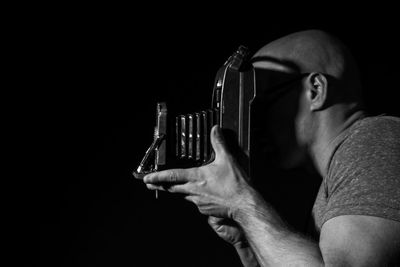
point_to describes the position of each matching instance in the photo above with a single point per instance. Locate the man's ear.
(317, 90)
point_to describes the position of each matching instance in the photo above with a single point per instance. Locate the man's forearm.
(269, 237)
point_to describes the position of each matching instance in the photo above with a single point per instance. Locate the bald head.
(311, 109)
(310, 51)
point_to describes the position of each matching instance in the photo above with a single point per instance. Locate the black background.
(86, 106)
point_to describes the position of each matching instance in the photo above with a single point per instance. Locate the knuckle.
(173, 176)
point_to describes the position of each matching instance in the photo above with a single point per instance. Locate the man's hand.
(231, 232)
(228, 230)
(218, 189)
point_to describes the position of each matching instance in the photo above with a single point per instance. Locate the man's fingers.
(173, 176)
(217, 141)
(180, 189)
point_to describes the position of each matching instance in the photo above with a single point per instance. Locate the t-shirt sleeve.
(364, 177)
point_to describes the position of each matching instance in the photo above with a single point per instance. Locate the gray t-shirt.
(363, 176)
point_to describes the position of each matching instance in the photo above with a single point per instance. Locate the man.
(317, 118)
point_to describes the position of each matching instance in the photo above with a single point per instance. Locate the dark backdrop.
(88, 107)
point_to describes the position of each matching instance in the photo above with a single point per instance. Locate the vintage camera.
(182, 140)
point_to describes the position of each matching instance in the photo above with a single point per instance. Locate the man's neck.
(327, 136)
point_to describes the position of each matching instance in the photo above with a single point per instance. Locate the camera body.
(183, 140)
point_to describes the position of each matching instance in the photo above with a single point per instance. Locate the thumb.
(217, 141)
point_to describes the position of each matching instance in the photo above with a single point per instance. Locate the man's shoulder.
(364, 173)
(372, 132)
(368, 142)
(383, 122)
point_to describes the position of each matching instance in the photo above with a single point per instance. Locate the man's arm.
(357, 240)
(273, 243)
(220, 189)
(350, 240)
